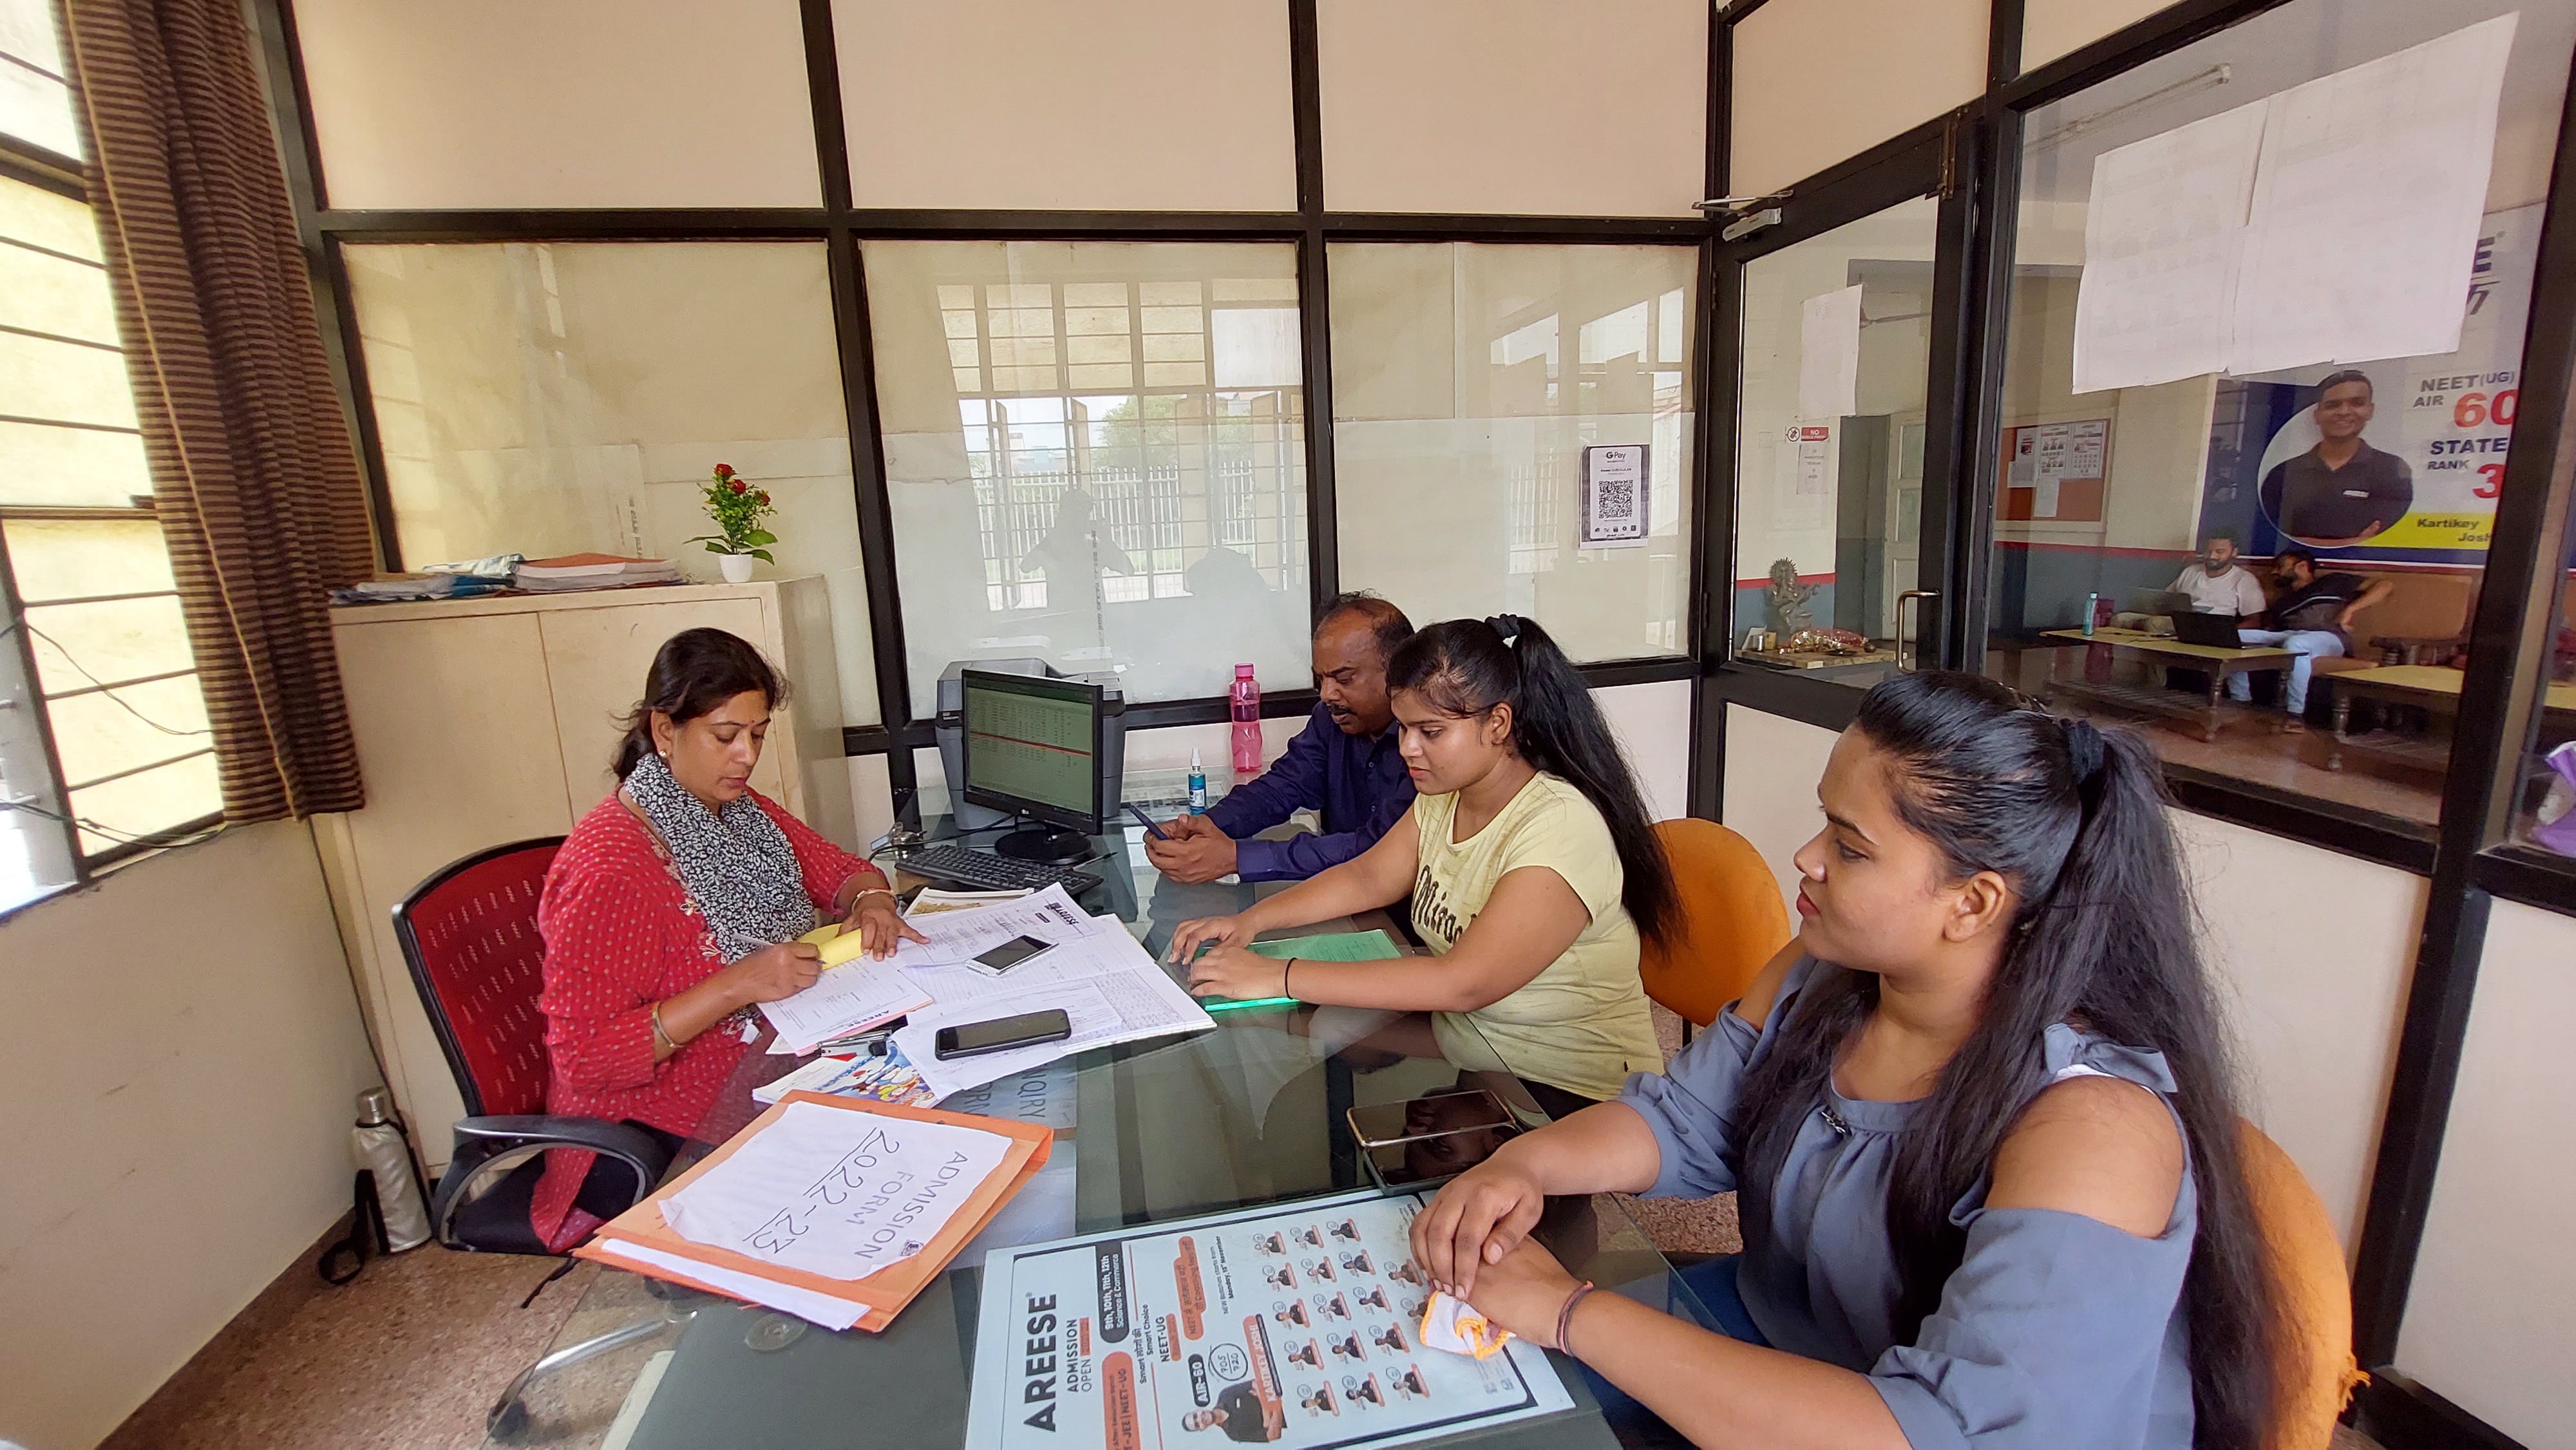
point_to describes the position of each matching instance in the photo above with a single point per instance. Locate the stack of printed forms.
(836, 1210)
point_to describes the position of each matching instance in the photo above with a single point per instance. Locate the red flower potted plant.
(738, 510)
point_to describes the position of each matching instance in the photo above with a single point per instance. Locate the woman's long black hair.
(695, 671)
(2074, 819)
(1465, 667)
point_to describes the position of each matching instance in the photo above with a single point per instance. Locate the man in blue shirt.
(1343, 765)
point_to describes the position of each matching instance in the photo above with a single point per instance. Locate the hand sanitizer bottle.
(1198, 785)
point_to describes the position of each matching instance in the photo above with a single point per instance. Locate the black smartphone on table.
(1146, 821)
(973, 1039)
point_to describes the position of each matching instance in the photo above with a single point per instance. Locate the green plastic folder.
(1331, 946)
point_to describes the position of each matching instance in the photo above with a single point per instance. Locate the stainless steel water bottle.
(378, 1144)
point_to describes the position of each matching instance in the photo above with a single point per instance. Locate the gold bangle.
(661, 1036)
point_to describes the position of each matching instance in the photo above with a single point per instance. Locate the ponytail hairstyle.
(2074, 818)
(694, 672)
(1465, 667)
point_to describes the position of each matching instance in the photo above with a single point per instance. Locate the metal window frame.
(64, 176)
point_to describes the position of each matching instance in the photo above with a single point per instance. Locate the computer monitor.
(1032, 748)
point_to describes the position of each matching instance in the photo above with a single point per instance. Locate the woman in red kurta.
(672, 910)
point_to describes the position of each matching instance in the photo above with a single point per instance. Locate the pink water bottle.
(1246, 697)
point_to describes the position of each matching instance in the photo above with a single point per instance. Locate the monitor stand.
(1044, 844)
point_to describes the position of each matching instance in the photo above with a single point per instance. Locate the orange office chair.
(1733, 921)
(2316, 1291)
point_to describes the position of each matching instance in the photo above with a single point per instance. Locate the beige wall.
(1526, 106)
(560, 103)
(2315, 994)
(177, 1118)
(1146, 104)
(1769, 794)
(2051, 28)
(2493, 1307)
(1652, 723)
(2315, 950)
(1818, 81)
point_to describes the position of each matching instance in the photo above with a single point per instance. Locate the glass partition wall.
(1472, 387)
(2326, 519)
(1096, 453)
(1830, 426)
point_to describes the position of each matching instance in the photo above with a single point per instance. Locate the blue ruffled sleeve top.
(2056, 1330)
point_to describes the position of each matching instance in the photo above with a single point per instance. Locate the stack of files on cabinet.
(835, 1210)
(592, 571)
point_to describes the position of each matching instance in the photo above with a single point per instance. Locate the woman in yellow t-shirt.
(1531, 865)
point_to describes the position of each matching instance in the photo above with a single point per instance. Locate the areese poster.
(1291, 1327)
(2446, 419)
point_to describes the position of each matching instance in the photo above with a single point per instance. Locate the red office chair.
(470, 935)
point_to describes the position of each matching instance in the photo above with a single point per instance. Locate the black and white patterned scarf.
(736, 863)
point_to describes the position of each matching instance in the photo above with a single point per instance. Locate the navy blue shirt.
(1357, 783)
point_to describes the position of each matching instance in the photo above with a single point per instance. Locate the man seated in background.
(2217, 583)
(2312, 620)
(1343, 765)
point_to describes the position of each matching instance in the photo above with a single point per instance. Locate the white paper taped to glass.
(2332, 222)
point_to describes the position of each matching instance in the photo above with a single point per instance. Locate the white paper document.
(1109, 987)
(836, 1193)
(823, 1309)
(2163, 235)
(1829, 355)
(848, 998)
(2367, 207)
(956, 936)
(864, 992)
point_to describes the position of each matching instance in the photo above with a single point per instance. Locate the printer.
(1110, 750)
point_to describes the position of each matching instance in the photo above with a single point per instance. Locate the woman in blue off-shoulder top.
(1978, 1114)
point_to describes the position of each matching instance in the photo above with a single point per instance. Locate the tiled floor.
(408, 1357)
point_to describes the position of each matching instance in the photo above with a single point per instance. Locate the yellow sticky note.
(836, 945)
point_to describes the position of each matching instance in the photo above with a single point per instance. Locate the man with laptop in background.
(2217, 584)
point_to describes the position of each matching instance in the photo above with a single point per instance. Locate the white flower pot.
(737, 567)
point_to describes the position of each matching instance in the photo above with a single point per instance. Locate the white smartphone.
(1009, 954)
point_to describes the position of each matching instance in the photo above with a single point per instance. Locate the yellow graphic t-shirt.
(1582, 1023)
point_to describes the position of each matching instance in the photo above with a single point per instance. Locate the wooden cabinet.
(482, 721)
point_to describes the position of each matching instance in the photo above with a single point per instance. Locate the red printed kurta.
(621, 934)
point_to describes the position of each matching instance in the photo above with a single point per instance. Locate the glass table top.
(1247, 1114)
